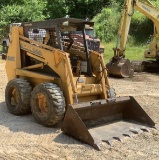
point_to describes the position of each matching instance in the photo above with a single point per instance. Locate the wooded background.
(105, 14)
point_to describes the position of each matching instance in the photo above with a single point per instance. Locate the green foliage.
(4, 3)
(106, 22)
(27, 11)
(55, 9)
(105, 14)
(85, 8)
(156, 3)
(33, 10)
(141, 27)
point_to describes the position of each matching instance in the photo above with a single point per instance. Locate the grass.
(133, 52)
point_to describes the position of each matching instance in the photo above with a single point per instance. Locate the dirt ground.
(22, 138)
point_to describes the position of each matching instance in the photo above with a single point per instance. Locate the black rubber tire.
(22, 88)
(55, 104)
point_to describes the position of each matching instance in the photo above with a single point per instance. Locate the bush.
(141, 27)
(106, 22)
(29, 11)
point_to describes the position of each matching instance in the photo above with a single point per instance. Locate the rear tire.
(47, 104)
(17, 96)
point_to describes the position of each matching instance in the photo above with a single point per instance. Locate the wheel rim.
(41, 102)
(14, 97)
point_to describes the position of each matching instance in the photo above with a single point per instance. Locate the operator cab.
(60, 33)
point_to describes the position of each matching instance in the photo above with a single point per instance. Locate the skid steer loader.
(60, 81)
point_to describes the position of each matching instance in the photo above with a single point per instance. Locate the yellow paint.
(86, 88)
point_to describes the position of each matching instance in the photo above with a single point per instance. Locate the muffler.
(105, 120)
(120, 67)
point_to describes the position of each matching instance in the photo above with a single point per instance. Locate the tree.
(107, 22)
(27, 11)
(85, 8)
(55, 9)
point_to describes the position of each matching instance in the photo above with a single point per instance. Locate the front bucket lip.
(95, 103)
(69, 126)
(74, 126)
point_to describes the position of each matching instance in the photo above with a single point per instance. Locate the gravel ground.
(22, 138)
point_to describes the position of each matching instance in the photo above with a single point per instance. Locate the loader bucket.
(105, 120)
(120, 68)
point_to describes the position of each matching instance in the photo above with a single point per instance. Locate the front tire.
(47, 104)
(17, 96)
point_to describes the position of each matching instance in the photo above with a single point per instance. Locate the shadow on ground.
(25, 123)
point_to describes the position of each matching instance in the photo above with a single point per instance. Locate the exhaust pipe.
(105, 120)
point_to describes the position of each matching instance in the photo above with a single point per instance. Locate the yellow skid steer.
(59, 80)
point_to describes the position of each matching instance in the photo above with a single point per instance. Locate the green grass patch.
(133, 52)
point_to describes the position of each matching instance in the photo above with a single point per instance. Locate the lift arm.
(145, 7)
